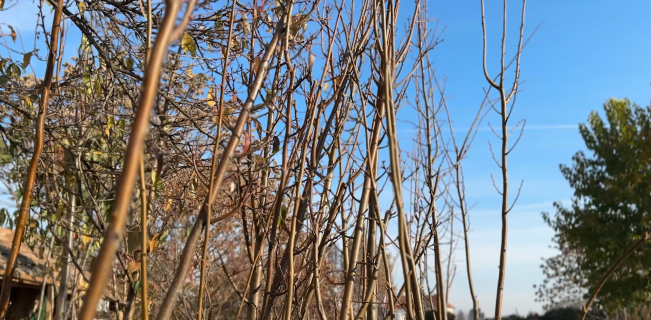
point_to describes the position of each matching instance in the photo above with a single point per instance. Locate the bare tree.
(506, 96)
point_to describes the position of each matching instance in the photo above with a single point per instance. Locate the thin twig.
(213, 166)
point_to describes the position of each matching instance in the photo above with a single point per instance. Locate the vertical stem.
(317, 282)
(144, 246)
(149, 23)
(505, 209)
(466, 242)
(292, 235)
(438, 274)
(75, 286)
(28, 186)
(370, 265)
(344, 240)
(45, 275)
(213, 167)
(144, 313)
(124, 189)
(273, 218)
(449, 276)
(385, 261)
(359, 225)
(63, 284)
(432, 182)
(290, 271)
(50, 302)
(276, 207)
(504, 114)
(409, 267)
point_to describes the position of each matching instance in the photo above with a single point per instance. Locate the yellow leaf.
(246, 27)
(110, 122)
(82, 7)
(85, 239)
(98, 88)
(210, 99)
(169, 204)
(188, 45)
(325, 86)
(29, 102)
(154, 241)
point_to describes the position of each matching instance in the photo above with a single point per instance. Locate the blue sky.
(584, 53)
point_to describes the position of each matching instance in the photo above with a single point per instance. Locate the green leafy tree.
(609, 210)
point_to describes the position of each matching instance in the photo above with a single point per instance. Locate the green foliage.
(609, 210)
(43, 314)
(130, 63)
(137, 286)
(4, 214)
(569, 313)
(276, 145)
(9, 69)
(562, 313)
(27, 57)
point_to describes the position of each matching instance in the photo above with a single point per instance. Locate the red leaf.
(247, 141)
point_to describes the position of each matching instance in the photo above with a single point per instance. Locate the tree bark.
(28, 187)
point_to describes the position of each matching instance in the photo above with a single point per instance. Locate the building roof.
(29, 267)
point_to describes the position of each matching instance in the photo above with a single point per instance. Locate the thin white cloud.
(553, 127)
(522, 208)
(528, 127)
(487, 128)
